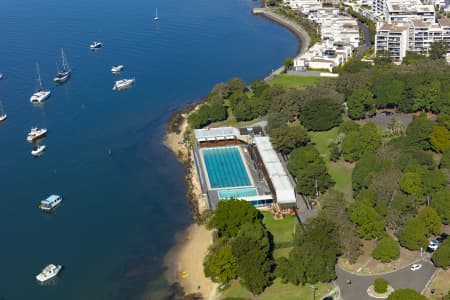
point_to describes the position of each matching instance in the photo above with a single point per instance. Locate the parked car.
(415, 267)
(387, 113)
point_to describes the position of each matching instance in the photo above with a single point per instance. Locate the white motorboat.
(1, 76)
(48, 272)
(3, 115)
(38, 150)
(50, 203)
(36, 133)
(156, 18)
(63, 75)
(117, 69)
(96, 45)
(123, 84)
(41, 94)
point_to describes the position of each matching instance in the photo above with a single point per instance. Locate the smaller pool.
(237, 193)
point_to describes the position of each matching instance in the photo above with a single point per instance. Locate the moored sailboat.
(41, 94)
(63, 75)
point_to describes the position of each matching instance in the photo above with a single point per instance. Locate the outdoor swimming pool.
(225, 167)
(237, 193)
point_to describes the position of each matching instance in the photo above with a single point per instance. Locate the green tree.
(388, 91)
(440, 139)
(441, 257)
(220, 264)
(236, 84)
(370, 224)
(411, 183)
(334, 209)
(286, 139)
(230, 215)
(258, 86)
(276, 120)
(438, 49)
(321, 114)
(358, 143)
(413, 236)
(406, 294)
(360, 104)
(445, 160)
(380, 285)
(288, 63)
(430, 220)
(252, 251)
(348, 126)
(217, 112)
(440, 201)
(387, 250)
(314, 259)
(418, 133)
(309, 168)
(383, 58)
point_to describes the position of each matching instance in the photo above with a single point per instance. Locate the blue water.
(237, 193)
(225, 167)
(123, 190)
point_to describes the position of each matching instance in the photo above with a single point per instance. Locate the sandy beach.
(185, 260)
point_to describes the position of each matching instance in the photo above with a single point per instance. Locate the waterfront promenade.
(294, 27)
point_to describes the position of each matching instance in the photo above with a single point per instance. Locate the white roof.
(283, 188)
(219, 133)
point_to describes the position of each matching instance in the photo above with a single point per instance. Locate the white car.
(415, 267)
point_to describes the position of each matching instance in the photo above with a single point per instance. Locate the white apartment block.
(326, 55)
(404, 10)
(414, 35)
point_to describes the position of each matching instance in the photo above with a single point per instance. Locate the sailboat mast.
(39, 76)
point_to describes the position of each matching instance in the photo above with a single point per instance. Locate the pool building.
(242, 164)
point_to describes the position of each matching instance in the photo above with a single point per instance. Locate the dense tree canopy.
(287, 138)
(360, 104)
(230, 215)
(440, 201)
(309, 168)
(321, 114)
(440, 138)
(358, 143)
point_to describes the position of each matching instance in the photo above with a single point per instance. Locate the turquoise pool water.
(225, 167)
(237, 193)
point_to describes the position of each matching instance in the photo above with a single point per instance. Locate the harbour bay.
(123, 190)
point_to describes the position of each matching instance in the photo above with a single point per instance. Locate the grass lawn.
(282, 252)
(440, 284)
(339, 171)
(280, 291)
(322, 139)
(282, 230)
(342, 175)
(295, 81)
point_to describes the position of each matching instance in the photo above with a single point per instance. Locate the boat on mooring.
(95, 45)
(50, 203)
(36, 133)
(38, 149)
(48, 272)
(41, 94)
(63, 75)
(156, 18)
(123, 84)
(117, 69)
(3, 115)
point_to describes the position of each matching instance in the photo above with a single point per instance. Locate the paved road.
(366, 33)
(404, 278)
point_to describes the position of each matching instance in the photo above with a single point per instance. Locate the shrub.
(380, 285)
(387, 250)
